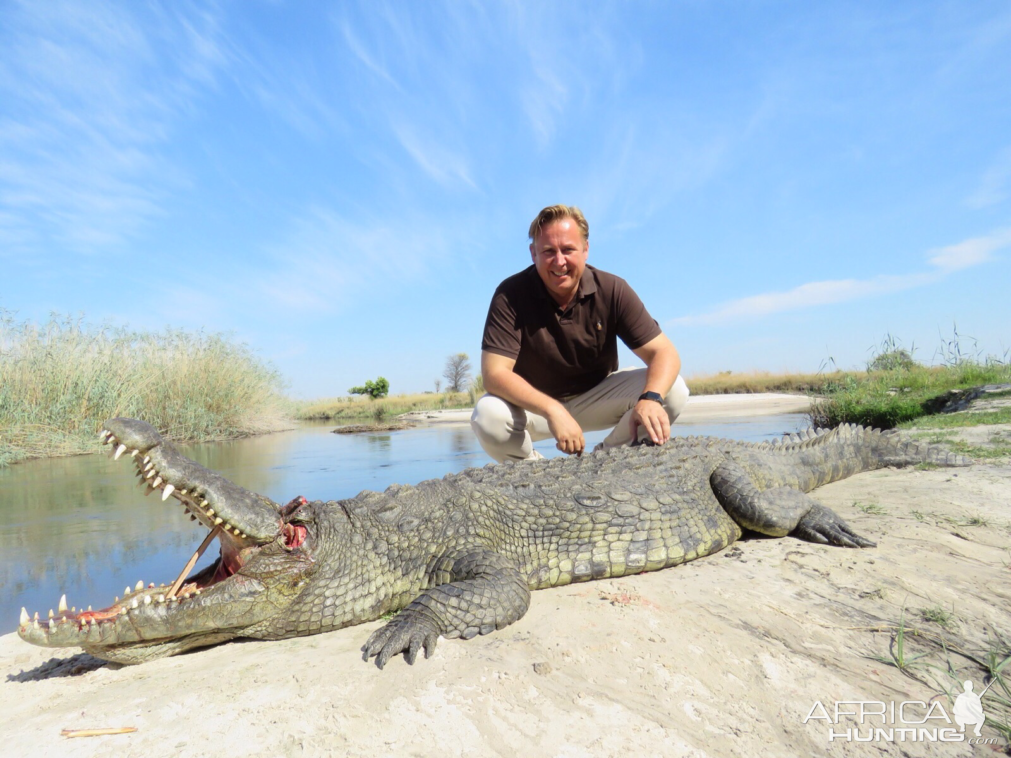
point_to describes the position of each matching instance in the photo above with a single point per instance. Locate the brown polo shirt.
(564, 353)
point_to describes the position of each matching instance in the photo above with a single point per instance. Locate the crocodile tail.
(823, 457)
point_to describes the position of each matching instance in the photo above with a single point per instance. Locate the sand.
(724, 656)
(700, 409)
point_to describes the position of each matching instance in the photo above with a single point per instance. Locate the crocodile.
(458, 556)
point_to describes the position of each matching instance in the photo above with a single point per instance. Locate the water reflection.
(82, 525)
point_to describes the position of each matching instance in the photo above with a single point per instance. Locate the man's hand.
(567, 432)
(651, 415)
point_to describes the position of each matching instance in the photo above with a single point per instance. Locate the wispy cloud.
(944, 261)
(87, 103)
(445, 166)
(995, 184)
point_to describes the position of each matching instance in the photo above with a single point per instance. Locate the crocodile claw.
(408, 632)
(822, 525)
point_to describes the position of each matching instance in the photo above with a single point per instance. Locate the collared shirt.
(565, 352)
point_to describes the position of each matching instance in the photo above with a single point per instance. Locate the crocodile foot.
(823, 525)
(408, 632)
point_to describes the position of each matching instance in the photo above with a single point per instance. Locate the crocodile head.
(263, 562)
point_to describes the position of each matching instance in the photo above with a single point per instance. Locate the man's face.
(559, 253)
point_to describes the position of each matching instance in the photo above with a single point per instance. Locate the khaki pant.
(507, 432)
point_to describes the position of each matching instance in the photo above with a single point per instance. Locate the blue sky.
(342, 185)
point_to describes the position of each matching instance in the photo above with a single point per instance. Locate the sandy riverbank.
(700, 409)
(724, 656)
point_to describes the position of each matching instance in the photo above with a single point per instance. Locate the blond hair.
(555, 212)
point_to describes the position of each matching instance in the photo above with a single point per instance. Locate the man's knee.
(677, 398)
(493, 420)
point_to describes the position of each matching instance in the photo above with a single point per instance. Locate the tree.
(457, 372)
(374, 389)
(438, 385)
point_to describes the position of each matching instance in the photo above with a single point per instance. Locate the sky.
(341, 186)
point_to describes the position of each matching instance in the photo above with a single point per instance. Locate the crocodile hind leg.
(779, 511)
(474, 594)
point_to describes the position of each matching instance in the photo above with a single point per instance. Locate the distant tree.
(894, 360)
(438, 385)
(457, 372)
(374, 389)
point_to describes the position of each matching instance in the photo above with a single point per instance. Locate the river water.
(83, 527)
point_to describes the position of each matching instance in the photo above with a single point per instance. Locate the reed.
(60, 380)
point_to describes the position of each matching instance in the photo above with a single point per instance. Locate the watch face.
(654, 396)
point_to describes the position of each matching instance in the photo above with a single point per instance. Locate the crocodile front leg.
(484, 592)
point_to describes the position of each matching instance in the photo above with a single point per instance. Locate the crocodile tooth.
(24, 618)
(218, 521)
(149, 473)
(139, 585)
(182, 492)
(149, 490)
(35, 622)
(147, 459)
(52, 624)
(89, 609)
(203, 503)
(157, 482)
(147, 600)
(116, 600)
(135, 604)
(148, 465)
(122, 611)
(63, 604)
(119, 451)
(103, 434)
(73, 609)
(36, 616)
(135, 453)
(192, 517)
(243, 535)
(210, 511)
(161, 598)
(51, 614)
(126, 592)
(169, 489)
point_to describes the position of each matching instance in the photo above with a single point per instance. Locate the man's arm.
(502, 381)
(663, 364)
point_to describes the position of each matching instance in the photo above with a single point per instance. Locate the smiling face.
(559, 253)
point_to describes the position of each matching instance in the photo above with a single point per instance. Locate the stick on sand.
(192, 561)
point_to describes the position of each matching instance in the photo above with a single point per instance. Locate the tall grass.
(59, 381)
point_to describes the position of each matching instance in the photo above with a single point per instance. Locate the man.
(549, 356)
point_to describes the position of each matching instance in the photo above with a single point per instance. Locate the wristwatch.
(654, 396)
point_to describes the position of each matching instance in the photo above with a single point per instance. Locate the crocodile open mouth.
(241, 521)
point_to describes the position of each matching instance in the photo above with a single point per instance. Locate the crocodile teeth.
(147, 600)
(135, 604)
(218, 521)
(119, 451)
(147, 459)
(24, 618)
(102, 435)
(157, 482)
(51, 614)
(63, 604)
(52, 624)
(210, 511)
(139, 585)
(126, 592)
(135, 453)
(169, 489)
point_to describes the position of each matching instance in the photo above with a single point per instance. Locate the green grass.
(909, 391)
(60, 380)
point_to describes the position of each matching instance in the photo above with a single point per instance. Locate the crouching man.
(549, 356)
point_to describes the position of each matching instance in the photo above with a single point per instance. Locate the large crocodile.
(458, 556)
